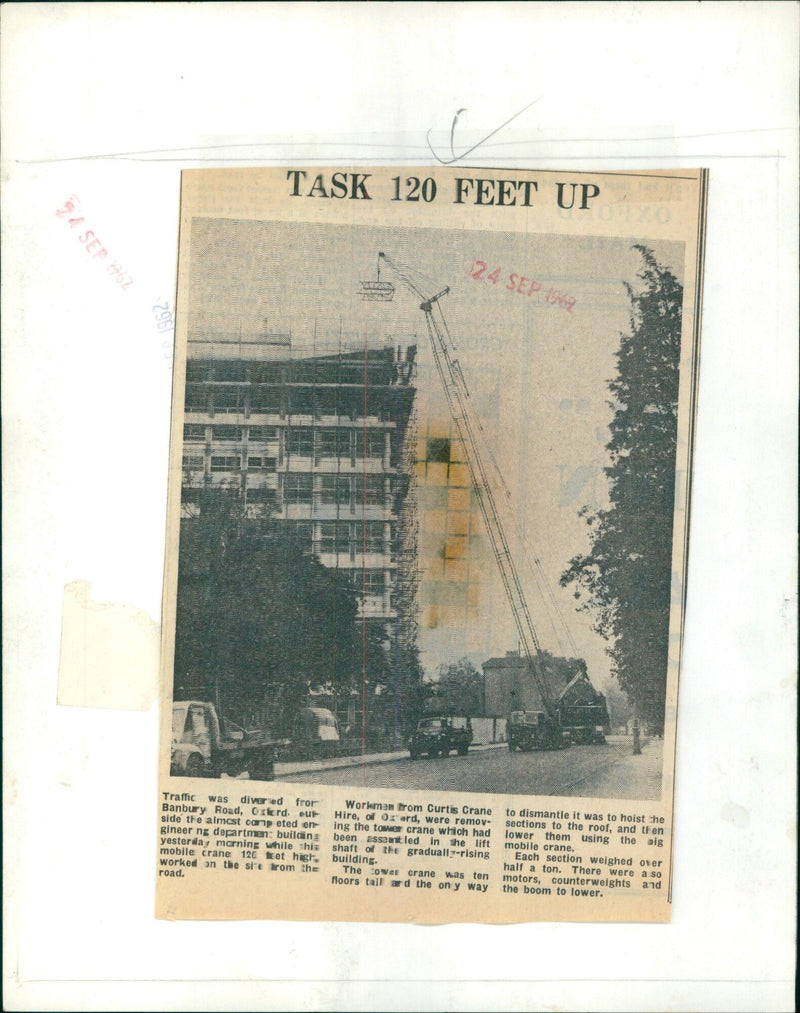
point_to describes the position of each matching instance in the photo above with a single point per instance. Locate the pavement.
(640, 773)
(337, 762)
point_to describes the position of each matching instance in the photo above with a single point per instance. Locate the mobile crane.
(550, 734)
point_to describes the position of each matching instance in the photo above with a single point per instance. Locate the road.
(609, 771)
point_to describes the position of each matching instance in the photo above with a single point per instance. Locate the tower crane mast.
(468, 427)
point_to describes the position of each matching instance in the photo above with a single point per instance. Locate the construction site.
(325, 442)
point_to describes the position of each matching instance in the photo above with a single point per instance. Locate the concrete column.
(387, 591)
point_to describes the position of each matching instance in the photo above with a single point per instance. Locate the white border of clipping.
(153, 88)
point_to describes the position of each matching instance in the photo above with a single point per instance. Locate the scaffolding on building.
(290, 429)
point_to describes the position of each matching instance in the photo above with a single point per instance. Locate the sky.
(536, 372)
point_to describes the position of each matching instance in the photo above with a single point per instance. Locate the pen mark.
(457, 158)
(452, 133)
(165, 322)
(157, 154)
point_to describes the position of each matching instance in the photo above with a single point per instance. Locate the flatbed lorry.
(205, 745)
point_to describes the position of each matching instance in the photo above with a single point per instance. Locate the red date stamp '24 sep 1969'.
(522, 285)
(72, 213)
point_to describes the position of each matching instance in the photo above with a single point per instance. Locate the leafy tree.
(560, 671)
(625, 578)
(258, 618)
(619, 707)
(403, 692)
(458, 690)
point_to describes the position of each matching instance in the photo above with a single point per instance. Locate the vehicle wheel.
(195, 766)
(462, 750)
(262, 768)
(511, 747)
(413, 754)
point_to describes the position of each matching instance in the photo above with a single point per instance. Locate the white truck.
(205, 745)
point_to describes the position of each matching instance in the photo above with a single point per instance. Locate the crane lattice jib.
(457, 395)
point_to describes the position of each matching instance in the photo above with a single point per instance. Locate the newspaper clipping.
(427, 543)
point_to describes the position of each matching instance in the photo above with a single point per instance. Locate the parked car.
(316, 728)
(437, 737)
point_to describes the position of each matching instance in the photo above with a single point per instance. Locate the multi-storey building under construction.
(316, 441)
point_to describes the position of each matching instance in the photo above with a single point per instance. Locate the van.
(316, 728)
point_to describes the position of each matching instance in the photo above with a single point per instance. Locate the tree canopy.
(624, 580)
(259, 620)
(458, 690)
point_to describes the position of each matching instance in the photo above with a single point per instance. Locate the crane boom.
(461, 411)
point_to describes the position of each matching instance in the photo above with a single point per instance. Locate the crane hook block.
(377, 291)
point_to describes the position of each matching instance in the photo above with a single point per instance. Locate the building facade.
(318, 442)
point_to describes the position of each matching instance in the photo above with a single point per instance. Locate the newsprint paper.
(428, 527)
